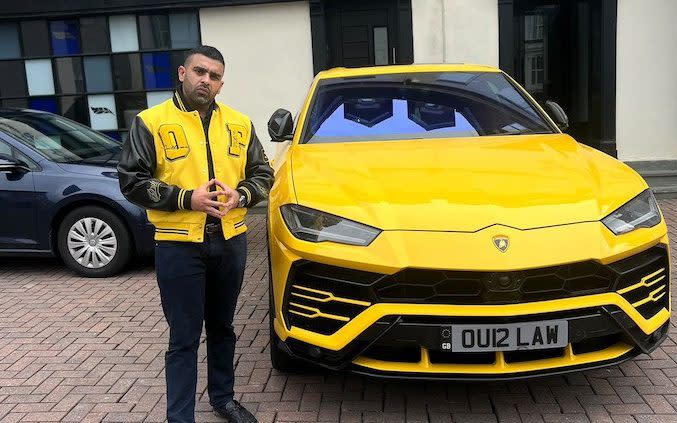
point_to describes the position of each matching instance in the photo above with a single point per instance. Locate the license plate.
(506, 337)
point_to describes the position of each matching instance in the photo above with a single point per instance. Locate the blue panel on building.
(65, 37)
(156, 70)
(48, 104)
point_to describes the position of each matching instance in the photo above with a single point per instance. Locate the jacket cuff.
(185, 196)
(247, 195)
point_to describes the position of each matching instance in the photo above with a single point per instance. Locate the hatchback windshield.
(60, 139)
(420, 105)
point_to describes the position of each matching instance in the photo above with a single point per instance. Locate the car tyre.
(94, 242)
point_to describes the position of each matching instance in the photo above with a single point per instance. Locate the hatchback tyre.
(94, 242)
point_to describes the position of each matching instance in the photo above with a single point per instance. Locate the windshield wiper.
(519, 132)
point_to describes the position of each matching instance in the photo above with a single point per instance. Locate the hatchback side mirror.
(281, 126)
(558, 115)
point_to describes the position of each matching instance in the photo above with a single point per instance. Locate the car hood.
(463, 184)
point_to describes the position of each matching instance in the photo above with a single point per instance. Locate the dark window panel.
(184, 31)
(127, 73)
(156, 70)
(9, 41)
(94, 32)
(48, 104)
(16, 85)
(15, 102)
(35, 38)
(65, 37)
(154, 31)
(74, 107)
(69, 75)
(113, 134)
(176, 59)
(128, 106)
(98, 74)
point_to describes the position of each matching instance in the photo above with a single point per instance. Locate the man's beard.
(198, 99)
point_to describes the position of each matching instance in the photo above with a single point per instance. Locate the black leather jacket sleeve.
(136, 174)
(259, 175)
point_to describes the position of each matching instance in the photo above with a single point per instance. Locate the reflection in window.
(9, 41)
(65, 37)
(16, 85)
(534, 53)
(123, 35)
(94, 37)
(69, 75)
(420, 106)
(98, 74)
(20, 103)
(154, 31)
(127, 72)
(39, 77)
(184, 33)
(340, 127)
(156, 97)
(533, 27)
(381, 45)
(156, 70)
(176, 59)
(73, 107)
(47, 104)
(35, 38)
(128, 106)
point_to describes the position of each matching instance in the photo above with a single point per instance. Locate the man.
(196, 165)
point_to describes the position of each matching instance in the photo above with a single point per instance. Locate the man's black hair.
(207, 51)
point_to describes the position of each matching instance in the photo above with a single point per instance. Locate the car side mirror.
(557, 113)
(9, 164)
(281, 126)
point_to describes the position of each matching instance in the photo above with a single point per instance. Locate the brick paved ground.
(87, 350)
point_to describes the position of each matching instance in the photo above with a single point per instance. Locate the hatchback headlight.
(640, 212)
(316, 226)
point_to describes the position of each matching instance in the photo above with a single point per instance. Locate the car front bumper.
(352, 312)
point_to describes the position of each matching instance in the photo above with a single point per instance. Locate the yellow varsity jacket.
(169, 153)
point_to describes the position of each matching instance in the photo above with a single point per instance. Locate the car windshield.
(59, 139)
(418, 106)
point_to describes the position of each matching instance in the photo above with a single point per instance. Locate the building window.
(533, 30)
(98, 70)
(537, 69)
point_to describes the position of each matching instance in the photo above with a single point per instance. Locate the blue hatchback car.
(60, 195)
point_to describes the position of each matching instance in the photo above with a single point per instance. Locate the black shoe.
(235, 413)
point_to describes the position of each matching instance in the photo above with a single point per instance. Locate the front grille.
(644, 281)
(461, 287)
(316, 300)
(323, 298)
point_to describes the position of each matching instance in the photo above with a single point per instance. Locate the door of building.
(355, 33)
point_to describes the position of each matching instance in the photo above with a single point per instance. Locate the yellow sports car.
(433, 221)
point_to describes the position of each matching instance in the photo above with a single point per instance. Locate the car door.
(18, 225)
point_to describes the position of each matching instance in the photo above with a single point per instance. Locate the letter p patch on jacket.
(237, 139)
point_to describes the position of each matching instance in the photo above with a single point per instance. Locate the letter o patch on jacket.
(174, 141)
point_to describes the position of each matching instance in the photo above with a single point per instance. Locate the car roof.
(382, 70)
(8, 112)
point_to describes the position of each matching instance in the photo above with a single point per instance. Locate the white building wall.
(268, 54)
(646, 87)
(449, 31)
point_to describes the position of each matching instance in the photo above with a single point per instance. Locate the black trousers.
(199, 282)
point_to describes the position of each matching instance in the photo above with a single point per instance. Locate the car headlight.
(316, 226)
(640, 212)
